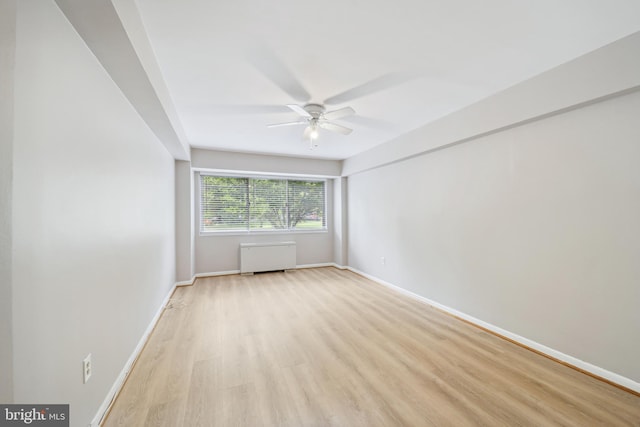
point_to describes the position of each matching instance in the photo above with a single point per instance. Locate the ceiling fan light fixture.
(315, 117)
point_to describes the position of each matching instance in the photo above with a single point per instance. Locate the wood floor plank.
(168, 414)
(204, 400)
(322, 347)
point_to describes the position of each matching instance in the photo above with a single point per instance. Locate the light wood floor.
(328, 347)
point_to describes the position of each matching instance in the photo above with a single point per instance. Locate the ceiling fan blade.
(376, 85)
(277, 125)
(338, 114)
(269, 65)
(335, 128)
(298, 109)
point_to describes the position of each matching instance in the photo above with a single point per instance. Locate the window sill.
(260, 233)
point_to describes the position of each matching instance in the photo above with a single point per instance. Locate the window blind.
(267, 204)
(223, 204)
(261, 204)
(306, 205)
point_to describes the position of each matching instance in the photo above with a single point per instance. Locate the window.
(248, 204)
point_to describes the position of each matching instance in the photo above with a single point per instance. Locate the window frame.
(249, 231)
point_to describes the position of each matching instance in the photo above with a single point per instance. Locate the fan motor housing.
(316, 110)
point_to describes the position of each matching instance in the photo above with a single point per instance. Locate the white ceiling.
(232, 66)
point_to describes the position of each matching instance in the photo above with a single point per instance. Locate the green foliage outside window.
(258, 204)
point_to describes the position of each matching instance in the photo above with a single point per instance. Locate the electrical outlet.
(383, 261)
(87, 369)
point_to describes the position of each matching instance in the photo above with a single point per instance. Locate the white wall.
(184, 222)
(533, 229)
(247, 162)
(7, 52)
(93, 222)
(221, 253)
(340, 223)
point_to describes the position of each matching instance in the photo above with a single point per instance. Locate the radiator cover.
(273, 256)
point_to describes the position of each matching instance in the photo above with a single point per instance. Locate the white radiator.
(255, 257)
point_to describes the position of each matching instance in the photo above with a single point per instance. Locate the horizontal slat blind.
(268, 204)
(306, 205)
(223, 203)
(261, 204)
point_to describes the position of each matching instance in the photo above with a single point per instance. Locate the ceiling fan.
(316, 117)
(313, 114)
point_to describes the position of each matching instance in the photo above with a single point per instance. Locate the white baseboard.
(226, 273)
(555, 354)
(325, 264)
(211, 274)
(580, 364)
(185, 283)
(117, 385)
(322, 264)
(216, 273)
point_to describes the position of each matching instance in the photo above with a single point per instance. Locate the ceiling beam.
(610, 71)
(128, 58)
